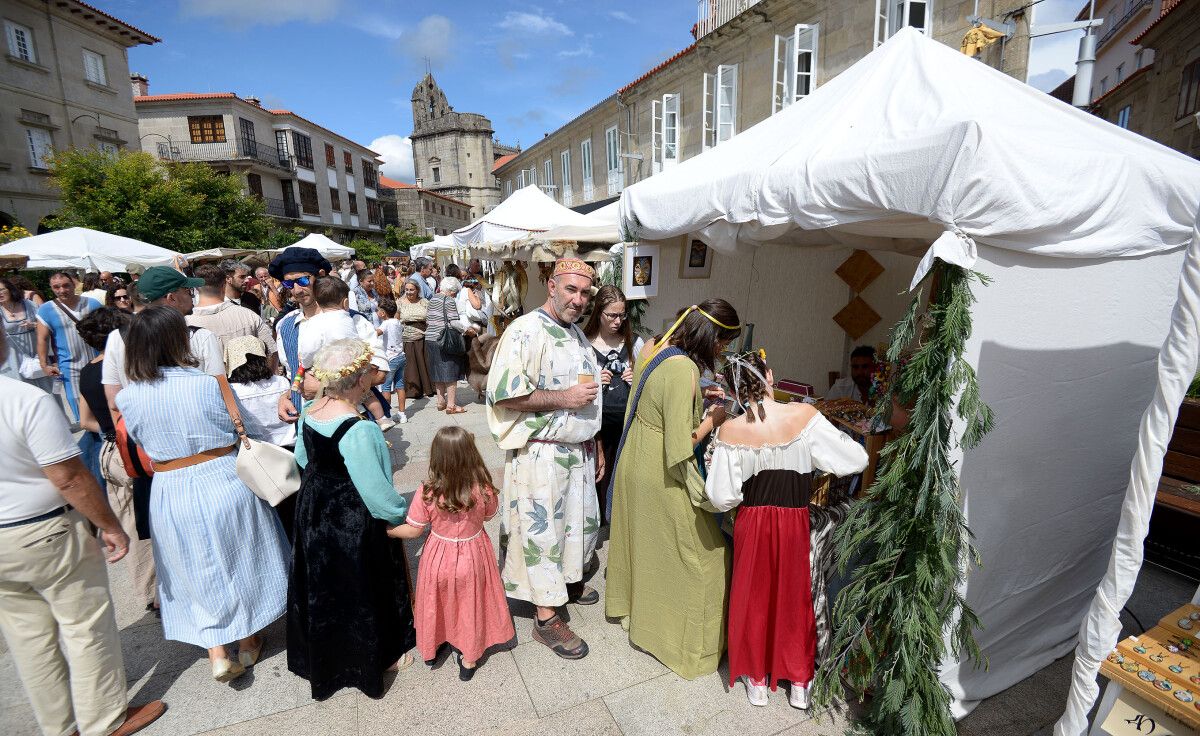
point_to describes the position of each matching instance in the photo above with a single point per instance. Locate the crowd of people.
(660, 439)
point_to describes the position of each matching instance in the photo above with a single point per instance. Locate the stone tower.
(452, 151)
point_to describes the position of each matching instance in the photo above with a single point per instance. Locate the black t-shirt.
(92, 391)
(616, 393)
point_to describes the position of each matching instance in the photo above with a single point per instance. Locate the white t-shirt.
(33, 433)
(844, 388)
(259, 404)
(393, 338)
(323, 328)
(205, 346)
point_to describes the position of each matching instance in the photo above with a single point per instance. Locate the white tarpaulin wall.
(88, 250)
(599, 226)
(327, 247)
(528, 210)
(1083, 226)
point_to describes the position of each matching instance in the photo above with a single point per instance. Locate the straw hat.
(237, 350)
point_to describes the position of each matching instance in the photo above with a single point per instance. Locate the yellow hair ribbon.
(666, 338)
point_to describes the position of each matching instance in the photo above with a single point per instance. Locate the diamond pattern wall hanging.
(856, 318)
(859, 270)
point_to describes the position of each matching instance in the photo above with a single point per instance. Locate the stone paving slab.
(521, 688)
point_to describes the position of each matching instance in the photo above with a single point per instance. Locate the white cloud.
(580, 51)
(621, 15)
(242, 14)
(431, 39)
(1046, 81)
(533, 24)
(397, 154)
(377, 25)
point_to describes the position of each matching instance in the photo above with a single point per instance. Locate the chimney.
(254, 101)
(140, 84)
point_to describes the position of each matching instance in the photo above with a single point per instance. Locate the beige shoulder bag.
(268, 470)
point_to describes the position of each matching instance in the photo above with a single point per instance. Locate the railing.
(280, 208)
(712, 14)
(1135, 8)
(243, 148)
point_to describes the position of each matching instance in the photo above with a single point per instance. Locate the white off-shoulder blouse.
(819, 446)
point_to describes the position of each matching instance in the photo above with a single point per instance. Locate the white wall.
(1066, 353)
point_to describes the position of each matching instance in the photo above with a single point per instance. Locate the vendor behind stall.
(858, 385)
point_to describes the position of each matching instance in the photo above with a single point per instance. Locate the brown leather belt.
(190, 460)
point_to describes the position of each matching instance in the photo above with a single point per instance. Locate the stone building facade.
(63, 84)
(744, 66)
(307, 176)
(1162, 99)
(454, 152)
(408, 206)
(1117, 56)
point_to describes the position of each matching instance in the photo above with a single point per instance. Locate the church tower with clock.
(453, 152)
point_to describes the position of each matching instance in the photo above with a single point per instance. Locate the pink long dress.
(460, 599)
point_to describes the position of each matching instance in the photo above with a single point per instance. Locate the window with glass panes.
(369, 177)
(303, 145)
(353, 200)
(1189, 90)
(308, 198)
(20, 41)
(330, 157)
(348, 162)
(335, 201)
(206, 128)
(39, 143)
(93, 68)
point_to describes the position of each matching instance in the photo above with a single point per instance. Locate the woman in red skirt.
(763, 462)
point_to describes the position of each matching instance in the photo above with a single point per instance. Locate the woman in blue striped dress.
(220, 551)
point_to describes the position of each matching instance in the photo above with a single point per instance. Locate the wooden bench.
(1181, 466)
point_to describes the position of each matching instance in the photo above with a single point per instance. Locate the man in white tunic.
(543, 407)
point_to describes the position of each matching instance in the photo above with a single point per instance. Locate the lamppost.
(71, 127)
(171, 150)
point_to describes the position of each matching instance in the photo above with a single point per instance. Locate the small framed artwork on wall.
(641, 271)
(696, 262)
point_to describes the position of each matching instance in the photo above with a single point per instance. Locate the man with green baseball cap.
(159, 281)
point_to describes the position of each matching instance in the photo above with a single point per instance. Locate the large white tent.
(599, 226)
(527, 211)
(88, 250)
(327, 247)
(1083, 227)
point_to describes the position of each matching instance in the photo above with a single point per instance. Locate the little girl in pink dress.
(459, 598)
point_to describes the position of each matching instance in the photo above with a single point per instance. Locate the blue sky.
(351, 65)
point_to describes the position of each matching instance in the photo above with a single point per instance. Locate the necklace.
(10, 315)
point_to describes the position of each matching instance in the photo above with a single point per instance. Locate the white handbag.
(30, 367)
(268, 470)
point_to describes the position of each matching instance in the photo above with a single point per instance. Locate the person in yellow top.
(668, 562)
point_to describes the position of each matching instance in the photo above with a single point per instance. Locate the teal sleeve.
(301, 453)
(370, 465)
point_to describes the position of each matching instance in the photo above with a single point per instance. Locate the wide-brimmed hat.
(238, 348)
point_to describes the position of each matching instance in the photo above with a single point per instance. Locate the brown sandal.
(456, 410)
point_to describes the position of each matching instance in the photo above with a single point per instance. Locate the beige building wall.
(452, 151)
(52, 96)
(164, 130)
(1117, 58)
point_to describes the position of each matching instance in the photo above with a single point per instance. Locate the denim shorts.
(395, 376)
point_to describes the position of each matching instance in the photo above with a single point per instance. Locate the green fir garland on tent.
(909, 537)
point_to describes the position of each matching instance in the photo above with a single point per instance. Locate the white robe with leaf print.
(550, 517)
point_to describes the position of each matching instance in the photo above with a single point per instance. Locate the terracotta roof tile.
(139, 31)
(503, 160)
(393, 184)
(657, 69)
(186, 96)
(1124, 82)
(1167, 7)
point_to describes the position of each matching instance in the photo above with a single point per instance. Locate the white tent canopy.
(431, 249)
(527, 211)
(88, 250)
(325, 246)
(598, 226)
(1083, 227)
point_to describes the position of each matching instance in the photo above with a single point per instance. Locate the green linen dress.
(668, 563)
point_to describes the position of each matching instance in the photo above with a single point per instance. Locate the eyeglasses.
(620, 317)
(121, 298)
(302, 281)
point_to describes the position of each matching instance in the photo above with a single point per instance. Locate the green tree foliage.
(282, 237)
(401, 238)
(370, 252)
(910, 533)
(182, 206)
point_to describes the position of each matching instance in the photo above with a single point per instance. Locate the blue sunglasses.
(302, 281)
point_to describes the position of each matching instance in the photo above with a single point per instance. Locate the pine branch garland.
(908, 538)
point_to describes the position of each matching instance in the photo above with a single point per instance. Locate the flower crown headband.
(326, 376)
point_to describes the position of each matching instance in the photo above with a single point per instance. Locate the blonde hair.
(340, 364)
(455, 469)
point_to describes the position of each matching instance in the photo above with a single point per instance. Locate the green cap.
(158, 281)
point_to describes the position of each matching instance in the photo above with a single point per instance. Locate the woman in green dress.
(668, 563)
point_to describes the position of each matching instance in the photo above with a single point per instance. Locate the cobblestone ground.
(522, 689)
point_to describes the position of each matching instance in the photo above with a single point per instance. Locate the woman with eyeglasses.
(611, 336)
(118, 297)
(20, 326)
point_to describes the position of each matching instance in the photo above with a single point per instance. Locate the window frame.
(886, 26)
(564, 160)
(11, 29)
(282, 146)
(370, 177)
(436, 171)
(100, 65)
(1123, 115)
(548, 171)
(348, 162)
(1188, 97)
(352, 201)
(44, 147)
(330, 156)
(787, 74)
(306, 200)
(335, 200)
(196, 128)
(302, 142)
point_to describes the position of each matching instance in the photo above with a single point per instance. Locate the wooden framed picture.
(696, 261)
(641, 272)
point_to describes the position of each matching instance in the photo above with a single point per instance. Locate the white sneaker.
(401, 418)
(798, 696)
(756, 694)
(385, 424)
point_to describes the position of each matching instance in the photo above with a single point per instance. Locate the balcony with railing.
(280, 208)
(241, 149)
(712, 14)
(1134, 8)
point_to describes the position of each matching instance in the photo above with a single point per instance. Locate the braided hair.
(746, 375)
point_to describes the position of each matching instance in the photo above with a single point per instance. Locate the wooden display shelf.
(1163, 665)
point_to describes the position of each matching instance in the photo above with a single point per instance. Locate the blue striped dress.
(220, 551)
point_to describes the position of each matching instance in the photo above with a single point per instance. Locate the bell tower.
(452, 151)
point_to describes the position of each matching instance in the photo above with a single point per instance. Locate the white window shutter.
(805, 60)
(670, 129)
(881, 21)
(726, 102)
(778, 76)
(708, 117)
(656, 135)
(40, 146)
